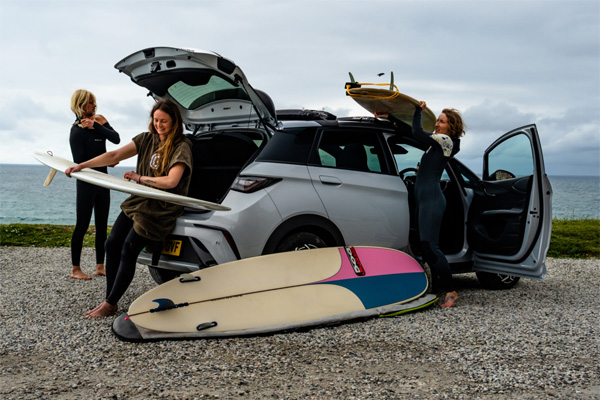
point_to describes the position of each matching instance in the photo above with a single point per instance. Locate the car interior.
(218, 159)
(452, 232)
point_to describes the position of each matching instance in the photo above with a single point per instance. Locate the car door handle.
(329, 180)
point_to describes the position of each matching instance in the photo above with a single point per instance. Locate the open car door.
(510, 217)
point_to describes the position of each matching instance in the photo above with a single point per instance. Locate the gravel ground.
(539, 340)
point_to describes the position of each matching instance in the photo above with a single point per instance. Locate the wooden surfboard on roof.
(388, 100)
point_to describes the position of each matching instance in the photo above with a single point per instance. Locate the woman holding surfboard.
(88, 140)
(444, 143)
(164, 162)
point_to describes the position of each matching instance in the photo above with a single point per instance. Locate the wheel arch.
(308, 223)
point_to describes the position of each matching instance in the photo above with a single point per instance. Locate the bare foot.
(103, 310)
(77, 273)
(100, 271)
(94, 309)
(451, 297)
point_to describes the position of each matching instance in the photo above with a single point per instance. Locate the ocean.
(24, 199)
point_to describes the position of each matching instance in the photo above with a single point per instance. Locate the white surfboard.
(278, 292)
(111, 182)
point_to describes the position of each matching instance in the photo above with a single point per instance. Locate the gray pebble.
(538, 340)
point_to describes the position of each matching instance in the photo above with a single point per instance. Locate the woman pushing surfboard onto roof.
(164, 162)
(444, 143)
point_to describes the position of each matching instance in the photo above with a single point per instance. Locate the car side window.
(512, 158)
(408, 158)
(358, 151)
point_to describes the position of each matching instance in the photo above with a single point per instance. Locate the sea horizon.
(24, 199)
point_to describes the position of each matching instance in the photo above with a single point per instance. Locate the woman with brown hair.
(164, 162)
(443, 144)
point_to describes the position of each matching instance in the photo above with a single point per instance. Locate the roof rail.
(304, 115)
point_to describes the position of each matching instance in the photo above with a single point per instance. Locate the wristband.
(140, 179)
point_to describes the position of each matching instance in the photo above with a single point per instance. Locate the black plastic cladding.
(225, 66)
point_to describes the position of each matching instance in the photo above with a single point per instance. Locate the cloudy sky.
(504, 63)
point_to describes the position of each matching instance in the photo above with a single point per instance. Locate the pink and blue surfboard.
(278, 292)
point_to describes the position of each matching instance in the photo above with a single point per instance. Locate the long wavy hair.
(456, 126)
(79, 98)
(174, 137)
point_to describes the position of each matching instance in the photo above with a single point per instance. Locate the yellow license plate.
(172, 247)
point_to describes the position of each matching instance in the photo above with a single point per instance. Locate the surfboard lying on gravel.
(112, 182)
(389, 101)
(278, 292)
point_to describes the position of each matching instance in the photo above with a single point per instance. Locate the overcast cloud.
(504, 64)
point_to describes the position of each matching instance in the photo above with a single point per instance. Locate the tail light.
(251, 184)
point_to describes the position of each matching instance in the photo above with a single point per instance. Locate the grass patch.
(575, 238)
(28, 235)
(571, 238)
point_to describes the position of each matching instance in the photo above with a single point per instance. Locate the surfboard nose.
(126, 330)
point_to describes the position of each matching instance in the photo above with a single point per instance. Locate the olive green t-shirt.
(155, 219)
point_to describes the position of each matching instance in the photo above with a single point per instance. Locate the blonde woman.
(88, 137)
(164, 162)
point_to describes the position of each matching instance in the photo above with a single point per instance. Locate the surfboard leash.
(357, 85)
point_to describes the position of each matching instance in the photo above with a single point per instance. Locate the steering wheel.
(406, 170)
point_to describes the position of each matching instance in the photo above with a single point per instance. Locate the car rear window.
(290, 146)
(192, 97)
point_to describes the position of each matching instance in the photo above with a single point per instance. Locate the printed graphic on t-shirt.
(155, 161)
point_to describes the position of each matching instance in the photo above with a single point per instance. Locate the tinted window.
(469, 179)
(290, 146)
(193, 96)
(512, 158)
(359, 151)
(408, 158)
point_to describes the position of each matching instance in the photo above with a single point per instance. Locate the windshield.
(192, 97)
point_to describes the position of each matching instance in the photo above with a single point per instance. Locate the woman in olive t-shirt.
(164, 162)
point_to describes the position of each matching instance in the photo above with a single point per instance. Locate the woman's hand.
(70, 170)
(132, 176)
(422, 104)
(87, 123)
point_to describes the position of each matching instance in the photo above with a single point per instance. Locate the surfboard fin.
(48, 180)
(166, 304)
(352, 84)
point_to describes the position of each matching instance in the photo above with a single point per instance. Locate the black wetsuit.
(85, 145)
(430, 200)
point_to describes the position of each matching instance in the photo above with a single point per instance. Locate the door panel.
(497, 216)
(369, 206)
(510, 216)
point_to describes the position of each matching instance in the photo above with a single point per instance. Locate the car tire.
(300, 241)
(161, 275)
(497, 281)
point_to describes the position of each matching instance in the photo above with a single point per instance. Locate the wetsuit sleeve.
(417, 129)
(108, 132)
(77, 142)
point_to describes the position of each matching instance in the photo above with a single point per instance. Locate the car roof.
(306, 118)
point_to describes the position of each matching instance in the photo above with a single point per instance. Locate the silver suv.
(300, 179)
